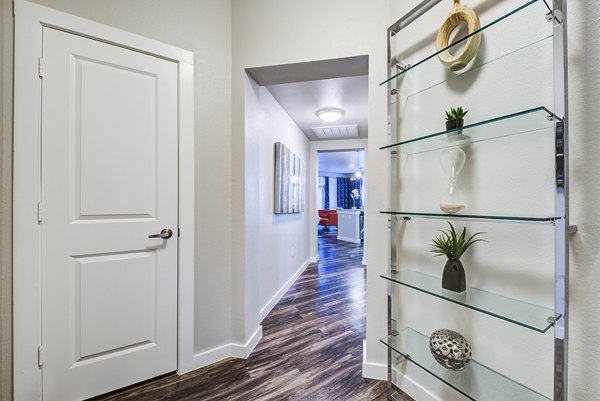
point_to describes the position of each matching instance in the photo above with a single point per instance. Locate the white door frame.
(313, 183)
(29, 20)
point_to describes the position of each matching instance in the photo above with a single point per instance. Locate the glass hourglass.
(452, 161)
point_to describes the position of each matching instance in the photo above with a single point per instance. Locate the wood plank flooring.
(311, 348)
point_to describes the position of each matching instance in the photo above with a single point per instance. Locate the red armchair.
(328, 218)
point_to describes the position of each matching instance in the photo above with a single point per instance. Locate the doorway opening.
(341, 197)
(328, 101)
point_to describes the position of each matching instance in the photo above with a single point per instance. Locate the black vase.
(453, 277)
(452, 124)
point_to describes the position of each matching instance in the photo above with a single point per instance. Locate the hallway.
(311, 348)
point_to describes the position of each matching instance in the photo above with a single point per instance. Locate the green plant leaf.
(451, 244)
(456, 113)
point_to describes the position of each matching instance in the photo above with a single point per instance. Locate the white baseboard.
(244, 350)
(209, 357)
(218, 354)
(364, 261)
(375, 371)
(378, 371)
(281, 292)
(234, 350)
(313, 259)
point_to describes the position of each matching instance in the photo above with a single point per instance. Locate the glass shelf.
(477, 382)
(483, 28)
(524, 314)
(511, 124)
(484, 217)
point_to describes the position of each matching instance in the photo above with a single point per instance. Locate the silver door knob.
(166, 233)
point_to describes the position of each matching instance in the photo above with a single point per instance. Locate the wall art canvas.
(289, 181)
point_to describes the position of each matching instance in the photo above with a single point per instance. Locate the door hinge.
(178, 232)
(40, 356)
(41, 67)
(40, 212)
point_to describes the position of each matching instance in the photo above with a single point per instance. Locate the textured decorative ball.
(450, 349)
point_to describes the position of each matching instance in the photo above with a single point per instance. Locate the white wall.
(6, 29)
(510, 175)
(276, 244)
(584, 96)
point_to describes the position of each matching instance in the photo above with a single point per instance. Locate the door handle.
(166, 233)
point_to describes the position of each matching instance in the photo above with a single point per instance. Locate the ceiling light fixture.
(330, 115)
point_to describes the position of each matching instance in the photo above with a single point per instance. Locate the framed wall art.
(289, 181)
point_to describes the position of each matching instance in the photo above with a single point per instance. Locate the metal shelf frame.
(558, 17)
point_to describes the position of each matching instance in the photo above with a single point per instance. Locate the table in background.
(350, 225)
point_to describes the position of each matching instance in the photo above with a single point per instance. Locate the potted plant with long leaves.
(453, 245)
(455, 118)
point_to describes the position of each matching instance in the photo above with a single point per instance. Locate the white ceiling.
(342, 162)
(304, 88)
(302, 100)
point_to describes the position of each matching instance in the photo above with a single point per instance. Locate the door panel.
(109, 179)
(121, 113)
(131, 305)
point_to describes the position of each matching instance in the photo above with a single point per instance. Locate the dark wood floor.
(311, 348)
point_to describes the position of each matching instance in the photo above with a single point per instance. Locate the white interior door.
(109, 180)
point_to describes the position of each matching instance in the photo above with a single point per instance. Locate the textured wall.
(584, 97)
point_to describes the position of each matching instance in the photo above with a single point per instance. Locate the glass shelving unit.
(477, 382)
(462, 40)
(534, 317)
(532, 120)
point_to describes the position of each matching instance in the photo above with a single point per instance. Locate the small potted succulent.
(453, 246)
(455, 118)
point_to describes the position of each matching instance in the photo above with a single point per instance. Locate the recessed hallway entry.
(311, 348)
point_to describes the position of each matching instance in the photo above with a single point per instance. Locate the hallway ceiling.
(302, 100)
(304, 88)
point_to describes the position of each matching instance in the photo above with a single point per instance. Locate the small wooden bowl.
(457, 16)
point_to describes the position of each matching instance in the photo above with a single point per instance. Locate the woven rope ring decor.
(458, 15)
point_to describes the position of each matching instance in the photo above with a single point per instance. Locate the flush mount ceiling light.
(330, 115)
